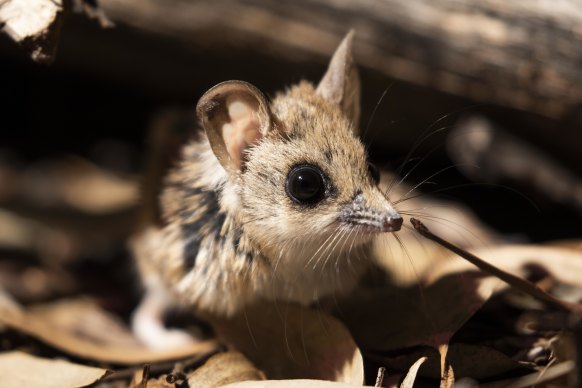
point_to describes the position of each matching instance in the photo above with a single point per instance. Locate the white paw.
(168, 339)
(150, 330)
(148, 324)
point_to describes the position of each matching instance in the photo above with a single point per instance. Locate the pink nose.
(392, 224)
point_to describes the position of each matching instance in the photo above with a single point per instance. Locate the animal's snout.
(392, 224)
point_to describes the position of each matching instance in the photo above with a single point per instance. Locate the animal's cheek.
(315, 224)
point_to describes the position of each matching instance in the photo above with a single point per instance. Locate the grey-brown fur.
(232, 232)
(199, 239)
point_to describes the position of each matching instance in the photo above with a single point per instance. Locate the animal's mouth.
(374, 223)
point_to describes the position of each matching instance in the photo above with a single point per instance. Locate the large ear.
(341, 83)
(234, 115)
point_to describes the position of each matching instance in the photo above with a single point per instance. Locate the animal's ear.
(341, 83)
(234, 115)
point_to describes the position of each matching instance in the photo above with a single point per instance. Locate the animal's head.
(301, 174)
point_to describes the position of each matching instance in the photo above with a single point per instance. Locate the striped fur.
(232, 234)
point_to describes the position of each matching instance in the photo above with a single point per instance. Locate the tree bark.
(524, 55)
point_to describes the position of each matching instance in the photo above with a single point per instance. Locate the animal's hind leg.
(148, 321)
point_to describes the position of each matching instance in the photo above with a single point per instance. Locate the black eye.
(305, 184)
(374, 173)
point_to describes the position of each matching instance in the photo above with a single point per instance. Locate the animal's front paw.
(168, 339)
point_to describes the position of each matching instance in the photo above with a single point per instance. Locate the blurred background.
(481, 100)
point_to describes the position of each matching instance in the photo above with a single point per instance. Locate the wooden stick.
(467, 48)
(514, 281)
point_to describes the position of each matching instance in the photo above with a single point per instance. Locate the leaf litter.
(450, 321)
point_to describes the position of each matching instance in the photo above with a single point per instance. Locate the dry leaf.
(19, 369)
(408, 381)
(222, 369)
(480, 362)
(536, 379)
(474, 361)
(70, 183)
(396, 318)
(564, 264)
(87, 320)
(33, 283)
(447, 374)
(410, 321)
(60, 210)
(289, 341)
(448, 378)
(391, 319)
(69, 331)
(25, 234)
(407, 263)
(290, 384)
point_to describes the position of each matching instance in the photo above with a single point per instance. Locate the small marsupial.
(276, 200)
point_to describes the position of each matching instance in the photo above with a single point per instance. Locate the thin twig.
(514, 281)
(380, 377)
(145, 376)
(577, 324)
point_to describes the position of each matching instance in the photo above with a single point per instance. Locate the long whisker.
(428, 208)
(282, 251)
(424, 134)
(406, 253)
(426, 180)
(324, 244)
(347, 239)
(448, 223)
(343, 239)
(422, 137)
(358, 254)
(371, 120)
(335, 243)
(517, 192)
(338, 257)
(426, 155)
(417, 238)
(386, 245)
(330, 253)
(420, 289)
(330, 248)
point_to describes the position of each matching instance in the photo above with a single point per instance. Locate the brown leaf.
(564, 264)
(289, 341)
(549, 374)
(481, 362)
(407, 263)
(30, 283)
(87, 320)
(408, 381)
(447, 373)
(390, 319)
(19, 369)
(70, 183)
(65, 326)
(222, 369)
(448, 378)
(474, 361)
(395, 318)
(290, 384)
(63, 209)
